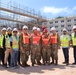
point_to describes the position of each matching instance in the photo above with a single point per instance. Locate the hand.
(11, 50)
(68, 48)
(58, 47)
(21, 48)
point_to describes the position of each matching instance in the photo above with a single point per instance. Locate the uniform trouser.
(2, 54)
(25, 54)
(24, 57)
(7, 56)
(46, 54)
(54, 52)
(74, 53)
(66, 54)
(35, 53)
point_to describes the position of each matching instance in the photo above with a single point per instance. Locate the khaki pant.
(7, 52)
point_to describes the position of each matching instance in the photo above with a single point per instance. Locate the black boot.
(5, 65)
(52, 61)
(39, 63)
(44, 62)
(27, 65)
(56, 62)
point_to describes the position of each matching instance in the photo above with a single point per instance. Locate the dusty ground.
(44, 70)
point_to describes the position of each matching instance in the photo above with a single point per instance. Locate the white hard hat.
(53, 28)
(15, 29)
(3, 29)
(74, 27)
(64, 29)
(38, 29)
(25, 27)
(34, 28)
(9, 28)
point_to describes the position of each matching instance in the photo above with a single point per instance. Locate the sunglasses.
(14, 31)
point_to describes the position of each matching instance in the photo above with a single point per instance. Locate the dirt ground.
(45, 70)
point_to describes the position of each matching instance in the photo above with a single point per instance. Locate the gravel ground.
(44, 70)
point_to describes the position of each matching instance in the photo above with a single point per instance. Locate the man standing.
(24, 41)
(46, 48)
(55, 45)
(14, 46)
(2, 44)
(7, 52)
(65, 43)
(73, 37)
(35, 47)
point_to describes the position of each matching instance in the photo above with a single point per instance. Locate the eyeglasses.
(14, 31)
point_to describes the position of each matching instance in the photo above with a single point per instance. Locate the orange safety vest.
(36, 39)
(45, 40)
(26, 38)
(53, 39)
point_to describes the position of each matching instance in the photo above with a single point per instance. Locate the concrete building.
(60, 23)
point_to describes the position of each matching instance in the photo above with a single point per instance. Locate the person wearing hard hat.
(35, 47)
(55, 45)
(73, 38)
(2, 45)
(24, 46)
(65, 44)
(14, 46)
(46, 48)
(39, 31)
(43, 27)
(7, 52)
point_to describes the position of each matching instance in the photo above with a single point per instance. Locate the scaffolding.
(13, 12)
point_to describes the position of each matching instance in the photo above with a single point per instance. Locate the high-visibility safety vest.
(36, 39)
(1, 40)
(7, 38)
(15, 42)
(45, 40)
(53, 39)
(64, 41)
(73, 39)
(26, 38)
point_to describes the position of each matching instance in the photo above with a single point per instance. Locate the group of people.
(15, 46)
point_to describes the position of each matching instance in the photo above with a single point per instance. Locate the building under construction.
(16, 15)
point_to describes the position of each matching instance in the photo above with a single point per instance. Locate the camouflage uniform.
(46, 52)
(35, 52)
(54, 50)
(24, 54)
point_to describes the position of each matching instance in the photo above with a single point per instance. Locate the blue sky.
(49, 8)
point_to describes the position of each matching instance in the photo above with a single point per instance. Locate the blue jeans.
(66, 54)
(74, 53)
(14, 58)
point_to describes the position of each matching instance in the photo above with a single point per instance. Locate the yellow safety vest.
(64, 41)
(1, 41)
(7, 41)
(73, 39)
(15, 43)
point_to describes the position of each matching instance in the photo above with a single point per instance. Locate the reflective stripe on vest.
(26, 38)
(54, 39)
(7, 41)
(73, 40)
(36, 39)
(1, 40)
(64, 41)
(45, 40)
(14, 43)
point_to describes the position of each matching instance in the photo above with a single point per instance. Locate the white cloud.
(55, 10)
